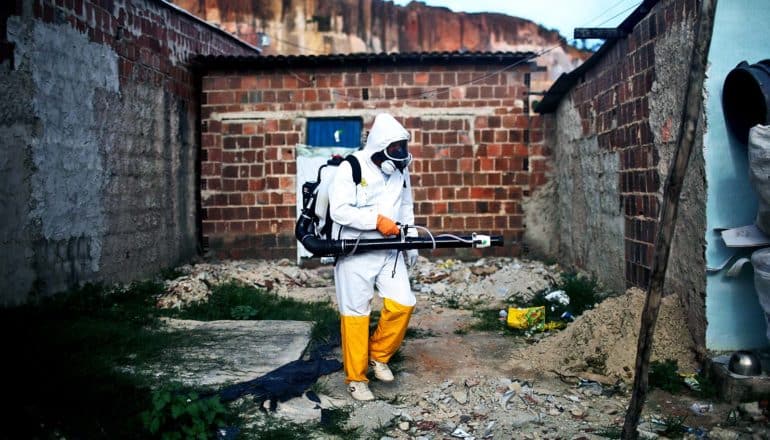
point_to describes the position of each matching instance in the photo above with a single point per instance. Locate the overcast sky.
(563, 15)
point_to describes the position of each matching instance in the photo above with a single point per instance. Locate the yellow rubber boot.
(394, 319)
(355, 347)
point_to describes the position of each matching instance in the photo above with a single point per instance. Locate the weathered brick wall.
(612, 137)
(477, 152)
(98, 131)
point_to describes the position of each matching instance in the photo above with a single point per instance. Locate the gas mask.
(394, 157)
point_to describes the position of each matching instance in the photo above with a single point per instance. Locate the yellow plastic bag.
(529, 318)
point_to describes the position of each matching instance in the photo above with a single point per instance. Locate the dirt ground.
(460, 383)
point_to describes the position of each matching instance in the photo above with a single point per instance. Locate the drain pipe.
(333, 248)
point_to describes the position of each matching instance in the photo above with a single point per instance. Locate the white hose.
(433, 240)
(456, 238)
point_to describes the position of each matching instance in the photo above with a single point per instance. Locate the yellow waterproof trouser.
(357, 348)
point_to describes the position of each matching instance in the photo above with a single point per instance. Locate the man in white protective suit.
(371, 210)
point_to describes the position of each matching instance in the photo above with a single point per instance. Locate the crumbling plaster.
(584, 225)
(98, 180)
(685, 275)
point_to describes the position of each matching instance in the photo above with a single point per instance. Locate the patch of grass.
(170, 273)
(234, 300)
(379, 432)
(665, 375)
(333, 422)
(276, 429)
(175, 414)
(487, 320)
(675, 426)
(708, 389)
(452, 303)
(609, 431)
(418, 333)
(583, 293)
(66, 349)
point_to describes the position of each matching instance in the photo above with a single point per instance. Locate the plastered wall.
(612, 138)
(98, 141)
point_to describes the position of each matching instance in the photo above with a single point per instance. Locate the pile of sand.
(603, 340)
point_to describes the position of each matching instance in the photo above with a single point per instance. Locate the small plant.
(707, 388)
(234, 298)
(675, 426)
(418, 333)
(609, 431)
(176, 415)
(581, 290)
(243, 312)
(665, 375)
(488, 320)
(333, 422)
(171, 273)
(452, 303)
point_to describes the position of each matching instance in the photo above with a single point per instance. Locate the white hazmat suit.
(354, 210)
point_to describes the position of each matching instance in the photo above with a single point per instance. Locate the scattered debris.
(593, 356)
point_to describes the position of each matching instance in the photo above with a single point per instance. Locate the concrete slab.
(217, 353)
(735, 387)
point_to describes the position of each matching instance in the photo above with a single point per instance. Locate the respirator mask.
(394, 157)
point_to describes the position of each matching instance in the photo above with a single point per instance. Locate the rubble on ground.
(603, 340)
(591, 361)
(491, 282)
(198, 280)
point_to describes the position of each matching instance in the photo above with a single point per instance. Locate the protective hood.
(385, 131)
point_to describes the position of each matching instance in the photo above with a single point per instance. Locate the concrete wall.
(735, 318)
(475, 155)
(98, 141)
(612, 137)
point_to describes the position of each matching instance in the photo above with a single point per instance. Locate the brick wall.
(613, 136)
(98, 131)
(477, 152)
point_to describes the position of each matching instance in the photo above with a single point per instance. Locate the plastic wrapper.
(529, 318)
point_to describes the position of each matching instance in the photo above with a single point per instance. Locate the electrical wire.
(619, 14)
(437, 90)
(441, 89)
(606, 11)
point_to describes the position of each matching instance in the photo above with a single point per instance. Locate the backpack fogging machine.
(313, 228)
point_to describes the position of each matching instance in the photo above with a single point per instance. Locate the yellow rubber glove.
(386, 226)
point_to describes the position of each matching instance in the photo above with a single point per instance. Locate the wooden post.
(668, 211)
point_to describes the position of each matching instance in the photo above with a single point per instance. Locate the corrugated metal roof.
(565, 81)
(210, 62)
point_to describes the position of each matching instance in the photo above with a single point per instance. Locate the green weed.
(609, 431)
(665, 375)
(235, 301)
(418, 333)
(583, 293)
(175, 414)
(71, 350)
(675, 426)
(333, 422)
(707, 387)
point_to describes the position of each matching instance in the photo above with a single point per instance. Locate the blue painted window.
(334, 132)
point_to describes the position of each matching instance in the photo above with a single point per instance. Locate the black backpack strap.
(356, 167)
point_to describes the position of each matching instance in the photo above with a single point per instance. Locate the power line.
(425, 93)
(620, 13)
(606, 11)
